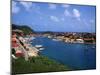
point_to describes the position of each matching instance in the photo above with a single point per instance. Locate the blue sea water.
(76, 56)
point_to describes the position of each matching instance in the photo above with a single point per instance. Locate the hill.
(24, 28)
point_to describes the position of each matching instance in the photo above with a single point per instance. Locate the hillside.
(25, 29)
(38, 64)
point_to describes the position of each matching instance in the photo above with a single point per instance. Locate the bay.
(76, 56)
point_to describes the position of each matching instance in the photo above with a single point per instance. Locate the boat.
(32, 38)
(41, 49)
(29, 38)
(54, 39)
(49, 37)
(38, 46)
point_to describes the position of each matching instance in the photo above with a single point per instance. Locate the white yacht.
(41, 49)
(38, 46)
(54, 39)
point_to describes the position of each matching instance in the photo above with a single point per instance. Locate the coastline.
(32, 53)
(32, 62)
(81, 43)
(74, 42)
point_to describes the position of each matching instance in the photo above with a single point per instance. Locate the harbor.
(51, 37)
(76, 55)
(55, 48)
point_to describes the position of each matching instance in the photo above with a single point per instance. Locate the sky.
(54, 17)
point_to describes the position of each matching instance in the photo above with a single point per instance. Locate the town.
(70, 37)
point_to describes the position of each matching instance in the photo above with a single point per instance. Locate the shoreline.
(66, 42)
(81, 43)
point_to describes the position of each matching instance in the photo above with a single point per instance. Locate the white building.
(79, 40)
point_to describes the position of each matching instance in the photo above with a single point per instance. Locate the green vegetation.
(25, 29)
(36, 65)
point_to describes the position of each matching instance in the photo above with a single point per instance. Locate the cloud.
(15, 8)
(52, 6)
(92, 21)
(65, 5)
(54, 18)
(62, 19)
(67, 13)
(76, 14)
(27, 5)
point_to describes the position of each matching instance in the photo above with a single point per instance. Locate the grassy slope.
(36, 65)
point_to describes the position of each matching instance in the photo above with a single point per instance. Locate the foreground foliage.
(36, 65)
